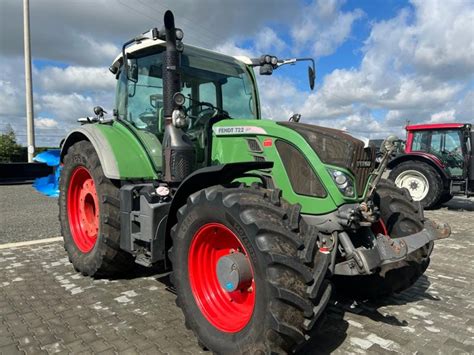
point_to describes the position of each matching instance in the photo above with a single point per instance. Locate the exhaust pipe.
(178, 150)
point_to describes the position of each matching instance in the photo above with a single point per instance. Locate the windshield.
(445, 144)
(225, 84)
(207, 77)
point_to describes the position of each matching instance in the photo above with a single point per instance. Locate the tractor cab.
(214, 86)
(450, 143)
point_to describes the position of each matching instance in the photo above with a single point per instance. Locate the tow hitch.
(387, 250)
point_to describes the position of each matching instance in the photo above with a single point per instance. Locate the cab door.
(139, 102)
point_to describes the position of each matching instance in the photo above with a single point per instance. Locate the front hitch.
(387, 250)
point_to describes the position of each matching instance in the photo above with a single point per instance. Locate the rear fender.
(120, 153)
(422, 157)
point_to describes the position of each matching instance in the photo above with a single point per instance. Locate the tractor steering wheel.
(207, 111)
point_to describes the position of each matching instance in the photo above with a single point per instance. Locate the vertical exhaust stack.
(178, 150)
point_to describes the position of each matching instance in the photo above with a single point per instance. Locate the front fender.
(120, 153)
(209, 176)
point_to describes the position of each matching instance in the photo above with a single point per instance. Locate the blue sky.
(379, 63)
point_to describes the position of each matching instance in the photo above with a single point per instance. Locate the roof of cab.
(146, 43)
(426, 126)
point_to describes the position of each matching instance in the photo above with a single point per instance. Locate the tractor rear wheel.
(248, 273)
(89, 212)
(422, 181)
(400, 216)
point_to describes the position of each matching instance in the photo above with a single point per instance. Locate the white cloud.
(67, 108)
(395, 74)
(324, 27)
(90, 35)
(45, 123)
(442, 39)
(10, 99)
(268, 42)
(231, 48)
(279, 97)
(76, 79)
(443, 116)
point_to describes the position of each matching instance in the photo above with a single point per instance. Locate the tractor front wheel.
(240, 276)
(89, 212)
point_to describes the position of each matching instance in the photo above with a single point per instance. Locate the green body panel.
(229, 145)
(131, 157)
(121, 154)
(137, 155)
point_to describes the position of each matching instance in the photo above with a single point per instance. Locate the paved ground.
(46, 307)
(26, 215)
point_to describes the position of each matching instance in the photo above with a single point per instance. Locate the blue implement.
(49, 185)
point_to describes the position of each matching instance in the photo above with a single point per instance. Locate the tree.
(9, 149)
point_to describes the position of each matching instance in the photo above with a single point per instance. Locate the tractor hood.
(337, 148)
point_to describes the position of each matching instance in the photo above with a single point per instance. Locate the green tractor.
(258, 221)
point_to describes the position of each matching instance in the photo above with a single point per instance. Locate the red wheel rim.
(227, 311)
(83, 209)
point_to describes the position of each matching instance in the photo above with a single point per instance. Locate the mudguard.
(422, 157)
(121, 154)
(209, 176)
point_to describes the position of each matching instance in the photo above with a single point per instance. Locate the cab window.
(445, 144)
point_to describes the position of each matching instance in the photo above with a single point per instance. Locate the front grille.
(359, 168)
(303, 179)
(339, 149)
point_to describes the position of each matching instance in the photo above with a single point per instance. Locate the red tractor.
(437, 162)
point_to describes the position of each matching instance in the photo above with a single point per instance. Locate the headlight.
(343, 182)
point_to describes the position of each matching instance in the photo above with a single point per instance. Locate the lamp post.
(30, 128)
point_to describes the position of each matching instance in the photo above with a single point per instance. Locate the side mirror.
(99, 111)
(311, 77)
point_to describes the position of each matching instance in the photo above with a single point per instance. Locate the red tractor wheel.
(226, 303)
(89, 212)
(247, 278)
(83, 209)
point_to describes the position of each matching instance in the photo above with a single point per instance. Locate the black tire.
(105, 258)
(402, 216)
(435, 182)
(289, 271)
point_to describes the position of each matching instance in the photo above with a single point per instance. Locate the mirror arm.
(294, 60)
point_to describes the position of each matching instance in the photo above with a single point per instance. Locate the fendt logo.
(364, 163)
(235, 130)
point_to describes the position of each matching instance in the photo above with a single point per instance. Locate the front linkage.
(388, 227)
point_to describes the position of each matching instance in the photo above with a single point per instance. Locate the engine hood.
(335, 147)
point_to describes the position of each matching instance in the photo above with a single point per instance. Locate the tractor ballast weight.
(257, 220)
